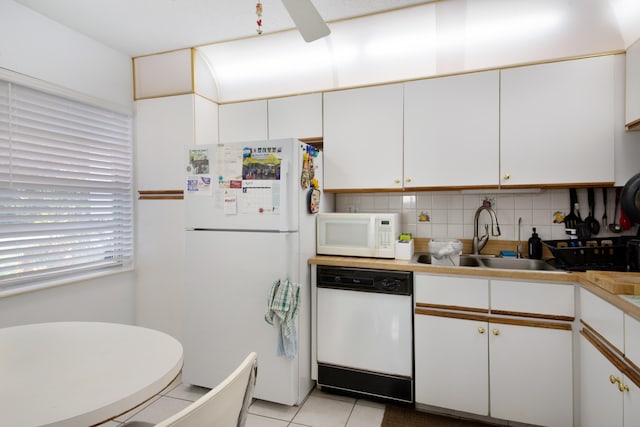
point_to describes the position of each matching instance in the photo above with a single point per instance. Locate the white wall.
(33, 45)
(107, 299)
(39, 48)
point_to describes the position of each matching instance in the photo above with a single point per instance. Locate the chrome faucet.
(519, 248)
(480, 242)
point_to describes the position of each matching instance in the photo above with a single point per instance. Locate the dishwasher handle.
(365, 280)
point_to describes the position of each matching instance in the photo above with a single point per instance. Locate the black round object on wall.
(630, 198)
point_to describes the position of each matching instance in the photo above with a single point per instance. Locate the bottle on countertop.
(535, 246)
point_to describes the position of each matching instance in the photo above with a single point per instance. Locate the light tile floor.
(320, 409)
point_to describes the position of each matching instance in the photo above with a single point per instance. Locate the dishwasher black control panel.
(365, 280)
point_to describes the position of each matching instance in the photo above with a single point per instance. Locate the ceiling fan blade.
(307, 19)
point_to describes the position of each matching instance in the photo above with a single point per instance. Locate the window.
(66, 198)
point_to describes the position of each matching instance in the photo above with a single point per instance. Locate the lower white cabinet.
(609, 356)
(632, 339)
(608, 397)
(511, 367)
(531, 377)
(451, 360)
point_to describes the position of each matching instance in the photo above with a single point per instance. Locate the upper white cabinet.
(363, 138)
(288, 117)
(163, 127)
(557, 123)
(451, 131)
(632, 116)
(206, 120)
(243, 121)
(295, 116)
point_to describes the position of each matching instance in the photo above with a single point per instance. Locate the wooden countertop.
(406, 265)
(549, 276)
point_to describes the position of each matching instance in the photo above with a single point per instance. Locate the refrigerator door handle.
(285, 187)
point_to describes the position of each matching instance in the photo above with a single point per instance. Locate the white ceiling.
(141, 27)
(411, 39)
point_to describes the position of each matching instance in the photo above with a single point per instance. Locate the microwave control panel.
(385, 231)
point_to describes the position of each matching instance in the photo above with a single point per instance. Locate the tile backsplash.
(451, 213)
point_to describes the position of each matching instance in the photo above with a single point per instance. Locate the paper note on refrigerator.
(199, 184)
(230, 202)
(259, 196)
(198, 170)
(229, 162)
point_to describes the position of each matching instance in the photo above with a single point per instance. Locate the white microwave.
(357, 234)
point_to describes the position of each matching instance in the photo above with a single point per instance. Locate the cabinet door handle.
(408, 179)
(506, 176)
(396, 181)
(496, 332)
(481, 330)
(614, 379)
(622, 387)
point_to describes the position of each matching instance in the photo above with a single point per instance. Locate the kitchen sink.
(465, 260)
(491, 261)
(518, 264)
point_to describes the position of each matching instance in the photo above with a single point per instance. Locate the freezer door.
(244, 186)
(228, 279)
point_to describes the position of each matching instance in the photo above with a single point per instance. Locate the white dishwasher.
(364, 332)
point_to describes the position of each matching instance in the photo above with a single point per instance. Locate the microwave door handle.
(372, 236)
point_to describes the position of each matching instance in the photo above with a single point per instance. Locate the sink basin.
(491, 261)
(465, 260)
(518, 264)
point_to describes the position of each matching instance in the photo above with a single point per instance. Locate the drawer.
(605, 318)
(554, 299)
(464, 292)
(632, 339)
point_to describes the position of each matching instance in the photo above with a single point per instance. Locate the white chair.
(226, 405)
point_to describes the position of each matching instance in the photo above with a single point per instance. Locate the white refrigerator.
(249, 222)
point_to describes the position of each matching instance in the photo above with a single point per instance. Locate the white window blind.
(66, 198)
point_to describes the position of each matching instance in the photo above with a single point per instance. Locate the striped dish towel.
(282, 307)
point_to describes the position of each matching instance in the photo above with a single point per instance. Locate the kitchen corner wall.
(451, 213)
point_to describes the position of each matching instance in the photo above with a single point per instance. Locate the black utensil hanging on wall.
(605, 224)
(571, 220)
(615, 227)
(591, 221)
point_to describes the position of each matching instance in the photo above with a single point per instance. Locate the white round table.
(81, 373)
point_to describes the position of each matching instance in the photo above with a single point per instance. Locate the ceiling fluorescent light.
(516, 26)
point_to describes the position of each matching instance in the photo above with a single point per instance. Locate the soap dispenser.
(535, 246)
